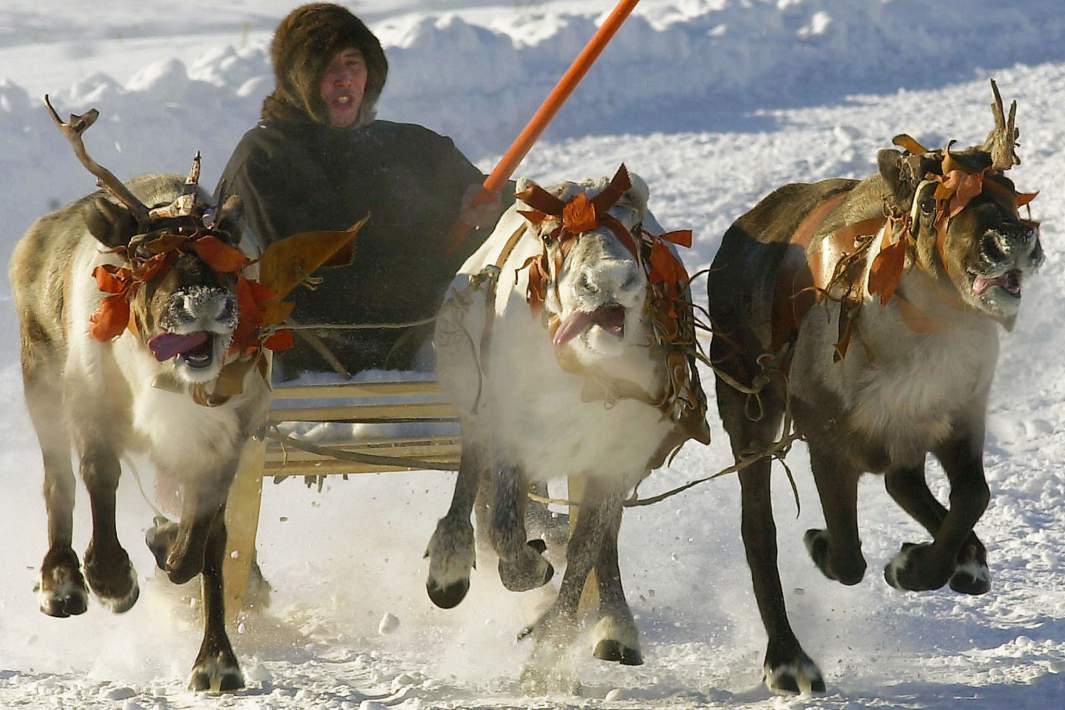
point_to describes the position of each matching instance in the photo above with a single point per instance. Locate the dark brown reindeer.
(140, 332)
(871, 308)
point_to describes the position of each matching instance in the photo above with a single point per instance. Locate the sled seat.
(407, 418)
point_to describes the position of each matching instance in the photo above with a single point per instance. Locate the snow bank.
(691, 64)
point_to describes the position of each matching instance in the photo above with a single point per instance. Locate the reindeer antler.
(1002, 140)
(73, 129)
(184, 204)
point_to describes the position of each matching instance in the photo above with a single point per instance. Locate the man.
(318, 160)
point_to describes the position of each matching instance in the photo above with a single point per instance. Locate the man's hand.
(480, 208)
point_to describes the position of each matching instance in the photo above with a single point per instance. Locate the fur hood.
(303, 44)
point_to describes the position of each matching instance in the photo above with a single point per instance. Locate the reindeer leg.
(910, 490)
(179, 548)
(836, 551)
(216, 666)
(451, 550)
(107, 567)
(522, 565)
(787, 668)
(541, 522)
(61, 588)
(616, 636)
(554, 631)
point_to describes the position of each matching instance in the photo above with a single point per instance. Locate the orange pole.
(536, 125)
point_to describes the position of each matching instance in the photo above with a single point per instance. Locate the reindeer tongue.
(1007, 281)
(167, 345)
(611, 318)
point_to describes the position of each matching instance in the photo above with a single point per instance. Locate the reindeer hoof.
(849, 571)
(617, 639)
(529, 571)
(63, 604)
(61, 589)
(971, 575)
(159, 539)
(912, 569)
(799, 676)
(816, 542)
(216, 675)
(450, 596)
(63, 598)
(616, 652)
(451, 557)
(112, 579)
(122, 604)
(971, 578)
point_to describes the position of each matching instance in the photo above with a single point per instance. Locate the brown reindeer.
(140, 332)
(871, 309)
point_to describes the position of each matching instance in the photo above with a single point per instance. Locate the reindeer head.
(179, 286)
(961, 217)
(588, 277)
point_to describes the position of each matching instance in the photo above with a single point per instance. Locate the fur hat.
(303, 44)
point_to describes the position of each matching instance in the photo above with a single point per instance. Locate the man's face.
(342, 87)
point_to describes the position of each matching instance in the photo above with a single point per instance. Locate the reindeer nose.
(609, 281)
(202, 305)
(995, 247)
(1009, 244)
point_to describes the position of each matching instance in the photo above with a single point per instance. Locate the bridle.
(668, 302)
(894, 237)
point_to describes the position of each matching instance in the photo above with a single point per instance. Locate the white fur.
(897, 565)
(530, 404)
(975, 570)
(113, 382)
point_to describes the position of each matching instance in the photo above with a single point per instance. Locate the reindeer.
(871, 310)
(581, 365)
(141, 332)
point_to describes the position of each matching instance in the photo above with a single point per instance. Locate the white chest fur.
(904, 388)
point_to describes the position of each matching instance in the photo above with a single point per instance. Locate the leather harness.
(681, 397)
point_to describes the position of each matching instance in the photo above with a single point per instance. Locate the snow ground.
(714, 103)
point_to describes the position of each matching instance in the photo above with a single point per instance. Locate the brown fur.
(897, 395)
(304, 42)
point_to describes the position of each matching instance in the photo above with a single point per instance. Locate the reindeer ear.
(110, 224)
(889, 163)
(899, 175)
(231, 218)
(638, 193)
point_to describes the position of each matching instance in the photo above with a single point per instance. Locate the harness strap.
(491, 286)
(508, 248)
(917, 320)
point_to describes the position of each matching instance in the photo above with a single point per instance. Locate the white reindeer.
(565, 345)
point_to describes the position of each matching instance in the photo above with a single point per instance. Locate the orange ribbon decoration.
(112, 316)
